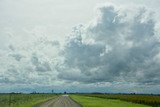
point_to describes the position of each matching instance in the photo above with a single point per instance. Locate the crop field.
(87, 101)
(23, 100)
(140, 99)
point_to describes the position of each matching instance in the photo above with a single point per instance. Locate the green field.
(87, 101)
(151, 100)
(23, 100)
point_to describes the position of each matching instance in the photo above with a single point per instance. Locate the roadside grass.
(23, 100)
(87, 101)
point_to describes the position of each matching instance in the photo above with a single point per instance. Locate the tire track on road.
(62, 101)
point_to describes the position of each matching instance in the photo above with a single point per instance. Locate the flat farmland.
(23, 100)
(87, 101)
(78, 100)
(152, 100)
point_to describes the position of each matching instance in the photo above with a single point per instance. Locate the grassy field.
(23, 100)
(151, 100)
(87, 101)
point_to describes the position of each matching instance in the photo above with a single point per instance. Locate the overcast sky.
(80, 46)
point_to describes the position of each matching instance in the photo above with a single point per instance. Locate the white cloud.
(119, 48)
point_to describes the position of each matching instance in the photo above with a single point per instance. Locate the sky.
(108, 46)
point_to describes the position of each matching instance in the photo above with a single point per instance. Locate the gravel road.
(62, 101)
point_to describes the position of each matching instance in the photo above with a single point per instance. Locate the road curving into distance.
(62, 101)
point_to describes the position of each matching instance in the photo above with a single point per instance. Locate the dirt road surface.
(62, 101)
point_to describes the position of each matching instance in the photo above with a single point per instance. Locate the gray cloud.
(40, 66)
(113, 48)
(11, 48)
(119, 48)
(17, 56)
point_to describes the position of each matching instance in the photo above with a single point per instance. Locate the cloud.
(118, 50)
(113, 47)
(40, 66)
(17, 56)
